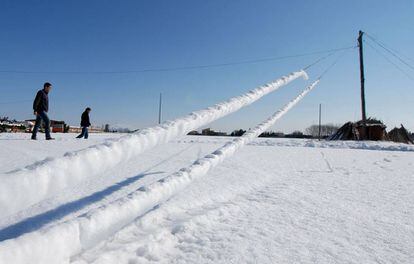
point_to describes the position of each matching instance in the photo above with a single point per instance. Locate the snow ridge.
(26, 187)
(71, 237)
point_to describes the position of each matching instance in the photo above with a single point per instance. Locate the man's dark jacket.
(41, 102)
(85, 120)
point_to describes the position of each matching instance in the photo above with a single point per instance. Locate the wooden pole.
(362, 76)
(160, 109)
(320, 115)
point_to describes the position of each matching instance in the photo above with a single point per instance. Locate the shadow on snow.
(38, 221)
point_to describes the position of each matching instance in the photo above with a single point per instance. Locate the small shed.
(57, 126)
(372, 130)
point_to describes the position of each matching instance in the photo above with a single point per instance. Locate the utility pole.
(160, 109)
(320, 115)
(361, 68)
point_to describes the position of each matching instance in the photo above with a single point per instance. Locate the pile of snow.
(69, 238)
(28, 186)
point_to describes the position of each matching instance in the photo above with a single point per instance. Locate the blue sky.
(53, 36)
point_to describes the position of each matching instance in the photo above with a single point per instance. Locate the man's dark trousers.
(41, 116)
(84, 133)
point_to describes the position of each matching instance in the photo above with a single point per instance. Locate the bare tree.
(326, 130)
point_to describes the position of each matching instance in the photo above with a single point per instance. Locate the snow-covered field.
(49, 177)
(274, 201)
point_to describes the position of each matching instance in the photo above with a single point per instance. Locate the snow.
(310, 143)
(28, 185)
(106, 220)
(278, 215)
(296, 205)
(276, 200)
(18, 144)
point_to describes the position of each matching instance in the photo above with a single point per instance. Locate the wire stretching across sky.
(330, 66)
(317, 61)
(390, 51)
(390, 61)
(181, 68)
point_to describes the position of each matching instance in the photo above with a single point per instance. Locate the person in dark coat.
(85, 123)
(40, 109)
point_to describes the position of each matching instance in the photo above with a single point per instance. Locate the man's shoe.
(33, 138)
(50, 139)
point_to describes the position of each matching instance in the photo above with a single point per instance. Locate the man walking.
(85, 123)
(40, 108)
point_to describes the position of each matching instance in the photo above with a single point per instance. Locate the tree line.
(310, 132)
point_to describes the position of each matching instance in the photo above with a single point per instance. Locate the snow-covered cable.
(58, 243)
(26, 187)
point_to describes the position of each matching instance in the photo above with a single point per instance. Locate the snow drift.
(28, 186)
(58, 243)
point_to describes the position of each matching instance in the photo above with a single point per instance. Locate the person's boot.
(34, 138)
(50, 138)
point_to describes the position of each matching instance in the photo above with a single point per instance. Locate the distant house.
(193, 133)
(74, 129)
(210, 132)
(55, 125)
(96, 130)
(13, 126)
(207, 132)
(272, 134)
(77, 129)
